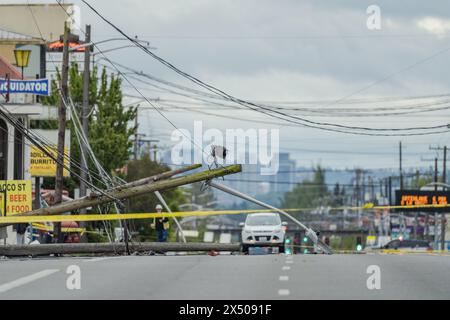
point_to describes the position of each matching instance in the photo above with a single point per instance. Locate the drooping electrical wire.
(270, 112)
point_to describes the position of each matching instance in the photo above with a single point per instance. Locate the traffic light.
(359, 245)
(287, 241)
(305, 239)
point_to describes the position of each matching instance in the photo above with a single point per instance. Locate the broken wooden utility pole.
(62, 128)
(129, 192)
(113, 248)
(157, 177)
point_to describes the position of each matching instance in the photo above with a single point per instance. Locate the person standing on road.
(161, 225)
(21, 228)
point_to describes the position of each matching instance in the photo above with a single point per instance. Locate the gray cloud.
(291, 50)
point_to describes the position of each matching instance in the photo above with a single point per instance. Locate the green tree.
(138, 169)
(308, 193)
(109, 130)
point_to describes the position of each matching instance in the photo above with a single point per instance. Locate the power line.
(358, 112)
(270, 112)
(137, 90)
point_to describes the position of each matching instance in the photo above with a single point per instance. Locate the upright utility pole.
(401, 171)
(136, 136)
(62, 128)
(444, 168)
(435, 173)
(84, 114)
(390, 190)
(444, 180)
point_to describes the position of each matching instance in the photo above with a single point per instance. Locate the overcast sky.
(293, 50)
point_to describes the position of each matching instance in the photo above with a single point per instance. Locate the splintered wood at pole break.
(138, 188)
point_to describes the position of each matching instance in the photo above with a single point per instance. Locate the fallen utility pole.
(309, 232)
(111, 196)
(112, 248)
(157, 177)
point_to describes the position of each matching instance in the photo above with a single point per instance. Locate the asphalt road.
(413, 276)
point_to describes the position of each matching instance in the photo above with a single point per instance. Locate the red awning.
(54, 46)
(69, 224)
(8, 68)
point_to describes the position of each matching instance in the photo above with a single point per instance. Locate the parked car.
(408, 245)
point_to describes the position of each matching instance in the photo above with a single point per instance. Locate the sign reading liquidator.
(39, 87)
(18, 197)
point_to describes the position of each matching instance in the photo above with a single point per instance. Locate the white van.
(263, 230)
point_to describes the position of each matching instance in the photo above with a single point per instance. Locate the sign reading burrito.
(39, 86)
(41, 165)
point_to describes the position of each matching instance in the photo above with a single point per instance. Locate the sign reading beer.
(409, 198)
(18, 197)
(39, 87)
(41, 165)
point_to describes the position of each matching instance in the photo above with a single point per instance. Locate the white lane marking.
(289, 261)
(284, 278)
(23, 281)
(285, 268)
(284, 292)
(98, 259)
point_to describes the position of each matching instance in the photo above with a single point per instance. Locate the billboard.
(422, 197)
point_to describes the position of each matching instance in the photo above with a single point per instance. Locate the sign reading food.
(18, 196)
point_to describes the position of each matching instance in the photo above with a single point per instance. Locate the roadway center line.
(284, 278)
(23, 281)
(285, 268)
(284, 292)
(289, 261)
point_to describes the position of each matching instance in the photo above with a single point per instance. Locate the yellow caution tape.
(430, 252)
(133, 216)
(126, 216)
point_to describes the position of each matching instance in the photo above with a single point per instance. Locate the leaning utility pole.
(62, 127)
(132, 190)
(85, 122)
(84, 115)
